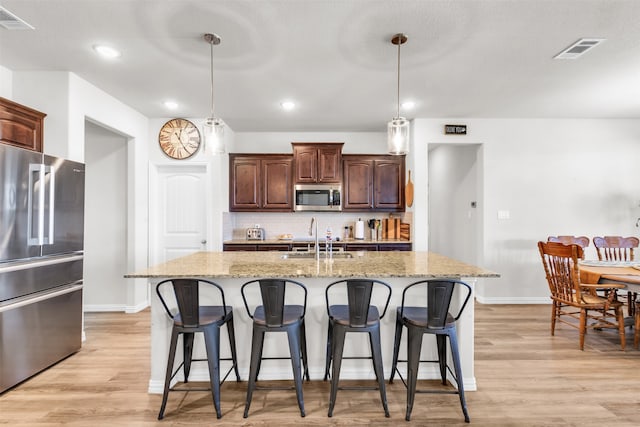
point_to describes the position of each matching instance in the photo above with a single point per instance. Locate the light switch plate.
(504, 214)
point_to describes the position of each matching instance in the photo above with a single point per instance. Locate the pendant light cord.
(212, 105)
(399, 43)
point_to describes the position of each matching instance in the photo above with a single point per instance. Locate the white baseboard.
(115, 307)
(156, 387)
(513, 300)
(136, 308)
(103, 307)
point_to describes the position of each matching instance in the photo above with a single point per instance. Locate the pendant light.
(398, 127)
(213, 129)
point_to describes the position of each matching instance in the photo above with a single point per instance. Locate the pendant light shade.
(398, 127)
(213, 134)
(398, 136)
(213, 129)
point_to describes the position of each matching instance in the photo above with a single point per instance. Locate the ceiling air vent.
(11, 22)
(578, 49)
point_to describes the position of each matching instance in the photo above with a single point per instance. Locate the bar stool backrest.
(187, 295)
(359, 299)
(439, 294)
(272, 293)
(359, 293)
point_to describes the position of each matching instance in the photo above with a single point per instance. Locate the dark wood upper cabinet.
(317, 162)
(373, 183)
(357, 188)
(260, 182)
(388, 184)
(277, 187)
(21, 126)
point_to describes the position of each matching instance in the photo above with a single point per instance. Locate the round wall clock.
(179, 139)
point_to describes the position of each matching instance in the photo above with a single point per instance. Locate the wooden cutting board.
(391, 228)
(408, 191)
(405, 231)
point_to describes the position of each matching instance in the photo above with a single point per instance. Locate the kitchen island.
(232, 269)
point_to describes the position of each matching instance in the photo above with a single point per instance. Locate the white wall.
(280, 142)
(453, 179)
(69, 102)
(105, 236)
(554, 177)
(6, 83)
(217, 198)
(48, 92)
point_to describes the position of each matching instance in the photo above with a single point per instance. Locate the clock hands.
(179, 135)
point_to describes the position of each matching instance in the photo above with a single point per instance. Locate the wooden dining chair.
(618, 248)
(636, 325)
(575, 300)
(615, 248)
(582, 241)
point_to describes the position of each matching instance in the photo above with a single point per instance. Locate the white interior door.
(179, 211)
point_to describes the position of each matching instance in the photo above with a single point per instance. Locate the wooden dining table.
(625, 273)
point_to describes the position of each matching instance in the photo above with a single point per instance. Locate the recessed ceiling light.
(288, 105)
(171, 105)
(408, 105)
(106, 51)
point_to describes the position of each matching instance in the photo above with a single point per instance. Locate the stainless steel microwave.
(318, 197)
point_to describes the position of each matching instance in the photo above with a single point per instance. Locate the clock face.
(179, 138)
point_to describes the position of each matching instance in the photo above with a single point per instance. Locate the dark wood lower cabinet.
(360, 247)
(394, 247)
(229, 247)
(274, 247)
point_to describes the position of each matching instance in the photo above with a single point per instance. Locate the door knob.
(204, 242)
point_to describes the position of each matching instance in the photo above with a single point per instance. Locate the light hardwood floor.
(525, 378)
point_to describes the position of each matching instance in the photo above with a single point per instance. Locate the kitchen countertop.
(310, 240)
(231, 269)
(363, 264)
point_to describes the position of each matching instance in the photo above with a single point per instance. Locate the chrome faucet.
(316, 248)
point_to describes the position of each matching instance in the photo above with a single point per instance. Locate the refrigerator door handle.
(40, 262)
(35, 205)
(49, 173)
(42, 297)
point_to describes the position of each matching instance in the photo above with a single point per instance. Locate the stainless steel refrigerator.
(41, 256)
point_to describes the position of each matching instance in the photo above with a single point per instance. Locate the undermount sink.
(312, 255)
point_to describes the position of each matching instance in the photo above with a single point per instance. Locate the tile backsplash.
(276, 223)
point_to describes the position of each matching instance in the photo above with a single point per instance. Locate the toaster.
(255, 233)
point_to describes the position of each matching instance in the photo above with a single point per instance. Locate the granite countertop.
(309, 240)
(271, 264)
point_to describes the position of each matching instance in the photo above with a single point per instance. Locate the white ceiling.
(464, 58)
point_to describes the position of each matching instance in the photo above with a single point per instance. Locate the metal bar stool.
(432, 319)
(358, 315)
(191, 317)
(274, 315)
